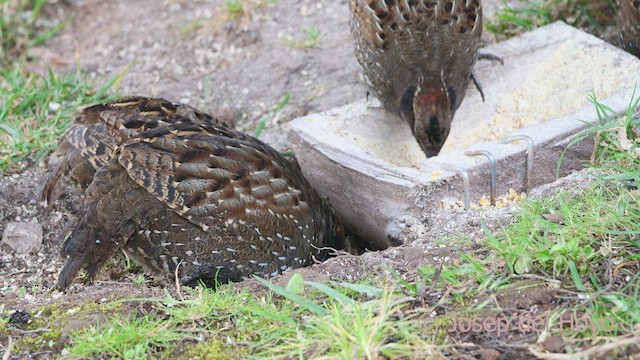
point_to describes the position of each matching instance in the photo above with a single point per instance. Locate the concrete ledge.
(367, 163)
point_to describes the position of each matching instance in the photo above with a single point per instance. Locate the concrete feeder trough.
(369, 166)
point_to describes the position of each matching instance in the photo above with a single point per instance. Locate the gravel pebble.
(22, 237)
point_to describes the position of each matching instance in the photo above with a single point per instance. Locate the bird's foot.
(489, 56)
(474, 78)
(477, 84)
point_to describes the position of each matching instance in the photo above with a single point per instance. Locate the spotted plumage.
(628, 19)
(90, 141)
(417, 58)
(200, 198)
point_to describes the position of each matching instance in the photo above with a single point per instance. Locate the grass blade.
(332, 293)
(302, 302)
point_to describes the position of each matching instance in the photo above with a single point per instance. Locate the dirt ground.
(194, 52)
(237, 68)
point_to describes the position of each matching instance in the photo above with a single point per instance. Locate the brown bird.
(417, 58)
(192, 195)
(90, 141)
(628, 20)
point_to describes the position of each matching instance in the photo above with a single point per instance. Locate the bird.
(417, 58)
(628, 20)
(187, 196)
(98, 129)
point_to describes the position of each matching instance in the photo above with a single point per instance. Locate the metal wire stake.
(492, 170)
(465, 183)
(529, 141)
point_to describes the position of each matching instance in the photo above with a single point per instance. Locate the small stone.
(22, 237)
(54, 106)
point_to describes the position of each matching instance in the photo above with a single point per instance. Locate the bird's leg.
(474, 78)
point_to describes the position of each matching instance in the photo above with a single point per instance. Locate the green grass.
(517, 17)
(322, 321)
(38, 109)
(35, 110)
(362, 330)
(199, 314)
(18, 28)
(599, 230)
(601, 215)
(127, 338)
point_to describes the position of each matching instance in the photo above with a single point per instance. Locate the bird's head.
(427, 108)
